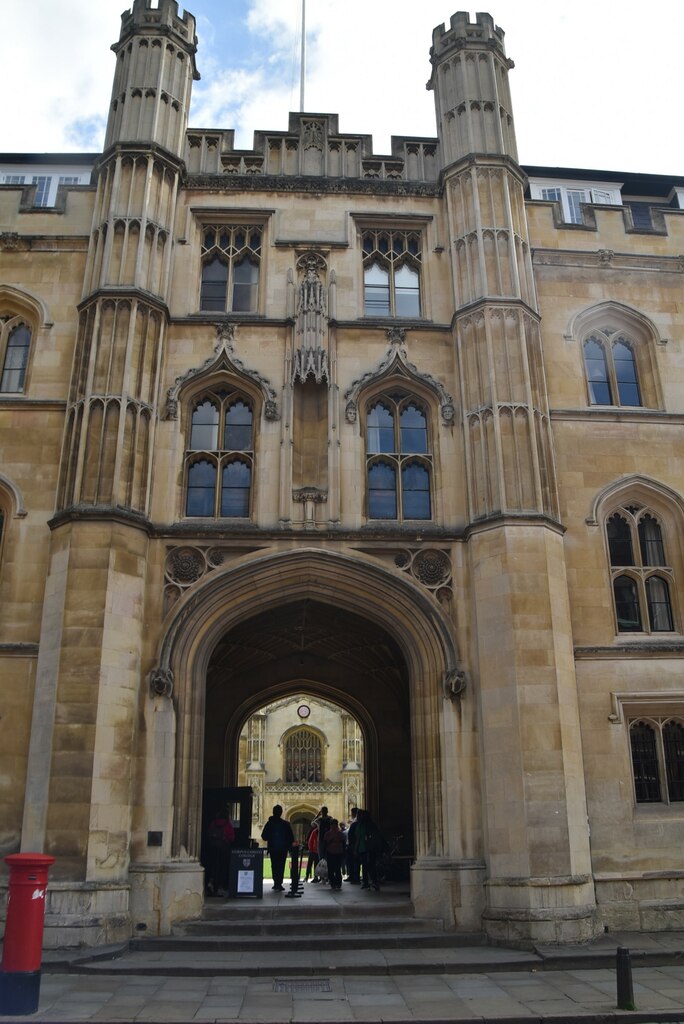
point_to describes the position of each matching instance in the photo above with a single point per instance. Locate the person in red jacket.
(334, 852)
(312, 847)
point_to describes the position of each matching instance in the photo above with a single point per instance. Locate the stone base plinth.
(555, 910)
(162, 894)
(450, 890)
(84, 914)
(643, 902)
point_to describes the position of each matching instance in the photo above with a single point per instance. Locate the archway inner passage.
(309, 647)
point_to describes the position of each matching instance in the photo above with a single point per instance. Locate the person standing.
(369, 843)
(334, 851)
(312, 860)
(279, 839)
(323, 821)
(221, 836)
(352, 859)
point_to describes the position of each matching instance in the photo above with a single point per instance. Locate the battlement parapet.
(465, 34)
(163, 18)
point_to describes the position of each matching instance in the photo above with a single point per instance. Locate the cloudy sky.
(597, 83)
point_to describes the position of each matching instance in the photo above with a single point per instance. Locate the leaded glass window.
(642, 580)
(220, 456)
(391, 273)
(398, 459)
(231, 261)
(611, 368)
(303, 757)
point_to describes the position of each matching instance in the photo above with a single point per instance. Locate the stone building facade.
(401, 432)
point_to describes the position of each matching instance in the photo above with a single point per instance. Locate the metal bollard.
(625, 988)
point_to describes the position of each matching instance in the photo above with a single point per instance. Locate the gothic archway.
(256, 584)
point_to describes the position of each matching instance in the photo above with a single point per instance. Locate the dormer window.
(571, 195)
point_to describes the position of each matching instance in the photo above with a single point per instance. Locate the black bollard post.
(625, 988)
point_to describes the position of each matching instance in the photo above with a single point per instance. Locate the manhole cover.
(302, 985)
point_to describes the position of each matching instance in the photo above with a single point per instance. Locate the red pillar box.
(23, 944)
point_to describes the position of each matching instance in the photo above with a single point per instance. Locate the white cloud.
(588, 89)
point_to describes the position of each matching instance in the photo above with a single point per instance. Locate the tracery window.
(15, 346)
(398, 459)
(303, 757)
(220, 456)
(641, 578)
(231, 260)
(611, 367)
(391, 273)
(657, 748)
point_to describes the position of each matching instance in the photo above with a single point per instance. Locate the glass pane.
(204, 433)
(659, 608)
(238, 428)
(407, 291)
(651, 542)
(415, 492)
(575, 197)
(673, 742)
(16, 359)
(382, 491)
(644, 763)
(619, 540)
(245, 287)
(625, 374)
(235, 486)
(376, 290)
(380, 429)
(597, 373)
(413, 429)
(214, 285)
(627, 605)
(201, 489)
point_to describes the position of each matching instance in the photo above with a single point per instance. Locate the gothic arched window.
(231, 258)
(641, 578)
(303, 757)
(611, 366)
(398, 460)
(391, 273)
(15, 346)
(657, 748)
(220, 456)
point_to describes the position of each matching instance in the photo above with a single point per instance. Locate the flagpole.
(302, 63)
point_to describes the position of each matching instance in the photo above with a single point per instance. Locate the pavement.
(475, 983)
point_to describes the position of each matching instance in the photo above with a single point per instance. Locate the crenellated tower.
(112, 403)
(537, 844)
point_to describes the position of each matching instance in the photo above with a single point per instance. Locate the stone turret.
(472, 92)
(112, 411)
(539, 876)
(155, 68)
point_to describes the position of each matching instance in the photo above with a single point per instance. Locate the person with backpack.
(279, 839)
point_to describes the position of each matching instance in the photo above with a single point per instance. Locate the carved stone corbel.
(455, 684)
(161, 682)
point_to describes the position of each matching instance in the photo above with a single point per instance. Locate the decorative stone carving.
(315, 494)
(9, 240)
(312, 132)
(224, 358)
(606, 257)
(396, 362)
(161, 682)
(185, 565)
(432, 567)
(454, 684)
(311, 358)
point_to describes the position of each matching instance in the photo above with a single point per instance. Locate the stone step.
(297, 925)
(265, 943)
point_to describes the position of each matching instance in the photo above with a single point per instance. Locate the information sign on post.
(246, 875)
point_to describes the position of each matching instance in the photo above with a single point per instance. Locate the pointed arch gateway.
(256, 584)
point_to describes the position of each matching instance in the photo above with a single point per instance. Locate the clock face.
(303, 710)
